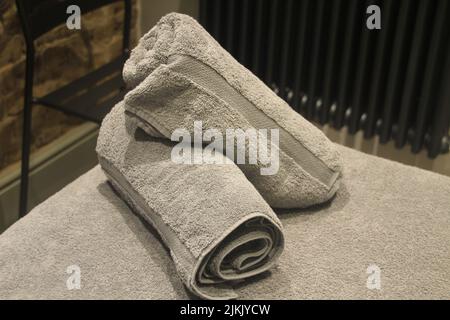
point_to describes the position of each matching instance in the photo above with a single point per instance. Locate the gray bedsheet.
(385, 214)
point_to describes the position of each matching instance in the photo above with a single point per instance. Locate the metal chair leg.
(26, 145)
(26, 131)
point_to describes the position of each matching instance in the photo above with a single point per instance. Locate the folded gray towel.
(216, 225)
(179, 74)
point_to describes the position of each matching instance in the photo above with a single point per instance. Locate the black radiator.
(322, 59)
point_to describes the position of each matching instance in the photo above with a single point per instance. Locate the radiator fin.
(323, 60)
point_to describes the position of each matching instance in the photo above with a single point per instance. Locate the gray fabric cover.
(385, 213)
(179, 74)
(217, 226)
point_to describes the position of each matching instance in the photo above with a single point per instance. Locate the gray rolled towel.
(179, 74)
(218, 228)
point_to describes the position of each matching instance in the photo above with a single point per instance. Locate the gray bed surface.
(385, 214)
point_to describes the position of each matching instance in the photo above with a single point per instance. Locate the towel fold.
(217, 227)
(179, 74)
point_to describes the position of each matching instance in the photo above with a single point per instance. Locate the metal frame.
(29, 100)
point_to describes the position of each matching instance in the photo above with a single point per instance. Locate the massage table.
(388, 223)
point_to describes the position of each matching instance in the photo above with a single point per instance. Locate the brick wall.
(62, 55)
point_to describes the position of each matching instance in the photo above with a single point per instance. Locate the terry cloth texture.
(385, 214)
(216, 225)
(179, 74)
